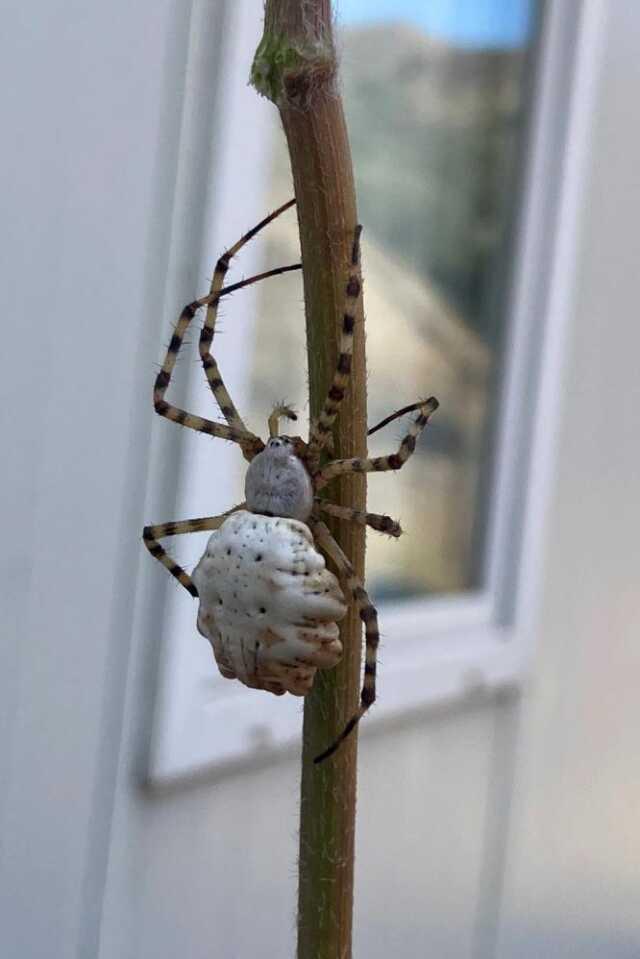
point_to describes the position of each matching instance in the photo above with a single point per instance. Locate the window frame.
(440, 651)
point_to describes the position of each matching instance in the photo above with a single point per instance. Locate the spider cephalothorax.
(278, 483)
(268, 604)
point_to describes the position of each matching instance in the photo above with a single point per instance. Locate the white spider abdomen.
(268, 604)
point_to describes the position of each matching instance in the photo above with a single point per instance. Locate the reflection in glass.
(436, 123)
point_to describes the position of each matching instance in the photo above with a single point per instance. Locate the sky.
(472, 23)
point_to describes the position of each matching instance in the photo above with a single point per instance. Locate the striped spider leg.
(234, 429)
(210, 366)
(320, 432)
(369, 616)
(383, 524)
(151, 535)
(379, 464)
(319, 438)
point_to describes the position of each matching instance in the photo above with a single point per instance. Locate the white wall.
(91, 100)
(103, 233)
(210, 869)
(572, 881)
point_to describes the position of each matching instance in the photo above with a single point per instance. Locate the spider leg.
(151, 535)
(235, 429)
(369, 617)
(394, 416)
(244, 438)
(394, 461)
(384, 524)
(320, 433)
(217, 291)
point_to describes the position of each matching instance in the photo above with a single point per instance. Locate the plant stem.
(295, 67)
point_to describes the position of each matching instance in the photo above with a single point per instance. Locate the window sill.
(207, 725)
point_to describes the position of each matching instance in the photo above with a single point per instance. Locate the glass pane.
(435, 96)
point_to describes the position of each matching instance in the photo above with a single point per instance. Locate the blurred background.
(436, 97)
(149, 808)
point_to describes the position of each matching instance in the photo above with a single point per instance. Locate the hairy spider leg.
(394, 461)
(212, 372)
(320, 434)
(248, 441)
(383, 524)
(369, 617)
(151, 535)
(394, 416)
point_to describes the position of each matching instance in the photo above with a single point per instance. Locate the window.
(437, 108)
(435, 102)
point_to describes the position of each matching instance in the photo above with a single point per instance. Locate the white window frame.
(436, 651)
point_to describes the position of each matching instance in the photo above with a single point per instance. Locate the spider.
(286, 474)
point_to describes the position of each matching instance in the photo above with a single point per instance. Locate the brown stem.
(295, 67)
